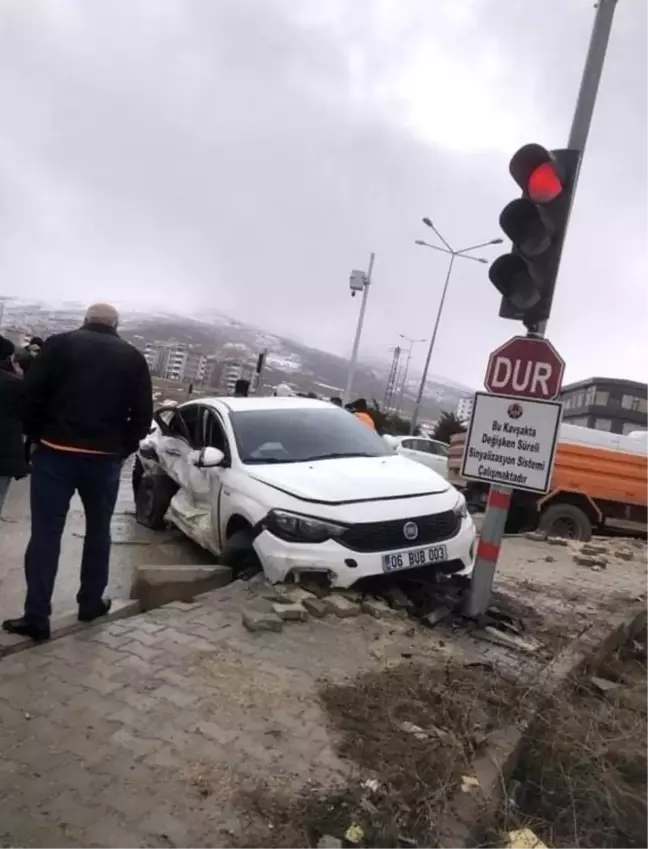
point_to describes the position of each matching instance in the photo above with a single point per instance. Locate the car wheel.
(566, 520)
(239, 554)
(136, 477)
(154, 494)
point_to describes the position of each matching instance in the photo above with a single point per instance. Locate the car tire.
(566, 520)
(239, 554)
(136, 476)
(154, 494)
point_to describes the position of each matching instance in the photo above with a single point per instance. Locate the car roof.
(235, 405)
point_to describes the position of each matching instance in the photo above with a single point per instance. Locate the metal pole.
(499, 497)
(404, 380)
(426, 367)
(356, 341)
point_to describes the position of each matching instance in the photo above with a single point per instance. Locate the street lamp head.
(496, 241)
(428, 223)
(481, 259)
(419, 242)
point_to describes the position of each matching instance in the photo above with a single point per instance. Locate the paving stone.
(291, 612)
(351, 594)
(260, 620)
(397, 599)
(536, 536)
(342, 607)
(376, 608)
(624, 554)
(592, 549)
(435, 616)
(317, 607)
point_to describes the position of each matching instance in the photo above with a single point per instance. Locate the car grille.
(389, 536)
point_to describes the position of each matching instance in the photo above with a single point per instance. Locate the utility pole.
(392, 380)
(359, 281)
(499, 498)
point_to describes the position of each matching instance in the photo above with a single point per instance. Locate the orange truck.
(599, 481)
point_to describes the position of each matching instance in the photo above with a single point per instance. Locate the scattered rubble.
(397, 599)
(435, 616)
(588, 560)
(603, 685)
(593, 549)
(291, 612)
(536, 536)
(624, 554)
(558, 541)
(317, 607)
(342, 607)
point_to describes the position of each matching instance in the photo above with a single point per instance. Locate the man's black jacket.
(91, 390)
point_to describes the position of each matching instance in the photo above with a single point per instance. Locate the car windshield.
(297, 435)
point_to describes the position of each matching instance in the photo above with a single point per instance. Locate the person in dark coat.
(88, 403)
(12, 455)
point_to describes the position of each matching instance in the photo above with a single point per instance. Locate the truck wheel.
(566, 520)
(154, 495)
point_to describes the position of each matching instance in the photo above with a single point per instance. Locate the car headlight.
(460, 509)
(295, 528)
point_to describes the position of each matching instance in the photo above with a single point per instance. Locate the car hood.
(351, 479)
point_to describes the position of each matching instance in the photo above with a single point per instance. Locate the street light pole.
(464, 253)
(412, 342)
(358, 334)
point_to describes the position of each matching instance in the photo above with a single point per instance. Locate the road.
(132, 545)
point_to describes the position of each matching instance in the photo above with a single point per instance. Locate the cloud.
(247, 155)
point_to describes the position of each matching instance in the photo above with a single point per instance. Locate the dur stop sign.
(526, 367)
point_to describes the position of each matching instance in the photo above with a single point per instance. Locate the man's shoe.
(25, 628)
(89, 614)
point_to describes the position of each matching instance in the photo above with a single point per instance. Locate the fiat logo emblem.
(410, 530)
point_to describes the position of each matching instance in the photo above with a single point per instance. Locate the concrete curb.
(62, 626)
(468, 811)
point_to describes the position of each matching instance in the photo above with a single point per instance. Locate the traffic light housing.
(536, 224)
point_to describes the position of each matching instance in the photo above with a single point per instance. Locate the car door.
(209, 493)
(180, 431)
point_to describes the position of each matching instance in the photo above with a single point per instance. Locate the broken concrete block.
(376, 608)
(557, 541)
(624, 554)
(261, 620)
(290, 612)
(318, 588)
(342, 607)
(588, 560)
(352, 595)
(604, 685)
(317, 607)
(397, 599)
(592, 549)
(154, 586)
(435, 616)
(536, 536)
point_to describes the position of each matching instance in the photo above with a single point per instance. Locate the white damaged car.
(301, 485)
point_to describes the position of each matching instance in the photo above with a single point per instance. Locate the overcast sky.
(247, 154)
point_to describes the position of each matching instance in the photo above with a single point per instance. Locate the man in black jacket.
(88, 403)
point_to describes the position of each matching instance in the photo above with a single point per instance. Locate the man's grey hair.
(102, 314)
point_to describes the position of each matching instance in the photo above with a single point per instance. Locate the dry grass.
(414, 730)
(583, 770)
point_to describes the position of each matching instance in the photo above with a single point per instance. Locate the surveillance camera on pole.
(357, 282)
(536, 224)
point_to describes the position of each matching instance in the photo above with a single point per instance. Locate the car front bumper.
(280, 559)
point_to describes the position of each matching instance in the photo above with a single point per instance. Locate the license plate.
(416, 557)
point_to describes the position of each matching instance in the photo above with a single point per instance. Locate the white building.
(465, 408)
(167, 360)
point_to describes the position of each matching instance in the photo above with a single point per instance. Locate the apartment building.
(224, 374)
(174, 361)
(465, 408)
(606, 403)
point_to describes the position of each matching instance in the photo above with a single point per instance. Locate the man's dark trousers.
(55, 477)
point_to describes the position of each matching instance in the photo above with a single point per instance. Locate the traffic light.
(536, 225)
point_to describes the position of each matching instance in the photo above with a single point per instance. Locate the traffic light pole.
(346, 398)
(499, 497)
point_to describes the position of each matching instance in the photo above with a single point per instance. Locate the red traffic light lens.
(544, 183)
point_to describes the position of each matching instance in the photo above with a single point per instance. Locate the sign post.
(511, 442)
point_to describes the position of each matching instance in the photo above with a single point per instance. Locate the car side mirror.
(207, 458)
